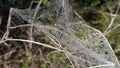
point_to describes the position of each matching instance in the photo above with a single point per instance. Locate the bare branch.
(113, 16)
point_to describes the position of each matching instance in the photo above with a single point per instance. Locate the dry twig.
(113, 16)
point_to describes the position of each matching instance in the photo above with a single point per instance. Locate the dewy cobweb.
(81, 40)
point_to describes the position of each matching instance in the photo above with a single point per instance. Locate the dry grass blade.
(19, 26)
(112, 66)
(30, 41)
(56, 43)
(70, 60)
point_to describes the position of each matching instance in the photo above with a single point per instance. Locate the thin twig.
(111, 22)
(32, 2)
(30, 41)
(62, 3)
(114, 28)
(113, 16)
(31, 36)
(77, 14)
(31, 28)
(37, 8)
(56, 43)
(18, 26)
(110, 65)
(8, 26)
(9, 21)
(70, 60)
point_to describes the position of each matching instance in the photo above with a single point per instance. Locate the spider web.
(80, 39)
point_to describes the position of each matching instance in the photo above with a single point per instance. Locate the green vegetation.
(25, 63)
